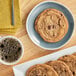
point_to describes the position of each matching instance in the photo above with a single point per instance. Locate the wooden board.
(32, 51)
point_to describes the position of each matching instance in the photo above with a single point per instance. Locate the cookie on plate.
(70, 60)
(60, 67)
(41, 70)
(51, 25)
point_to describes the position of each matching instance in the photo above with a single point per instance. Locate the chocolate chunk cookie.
(41, 70)
(60, 67)
(51, 25)
(70, 60)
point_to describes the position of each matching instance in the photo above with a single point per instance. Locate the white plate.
(20, 70)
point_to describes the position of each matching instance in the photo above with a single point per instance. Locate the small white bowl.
(15, 62)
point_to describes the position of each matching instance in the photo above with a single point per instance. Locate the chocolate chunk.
(2, 46)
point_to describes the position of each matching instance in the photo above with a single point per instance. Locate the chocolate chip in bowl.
(11, 50)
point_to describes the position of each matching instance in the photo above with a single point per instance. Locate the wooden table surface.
(32, 51)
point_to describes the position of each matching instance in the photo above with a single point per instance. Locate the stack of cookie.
(64, 66)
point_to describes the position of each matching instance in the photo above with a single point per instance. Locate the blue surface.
(35, 37)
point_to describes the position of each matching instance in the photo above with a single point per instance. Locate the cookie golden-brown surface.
(60, 67)
(70, 60)
(41, 70)
(52, 25)
(74, 54)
